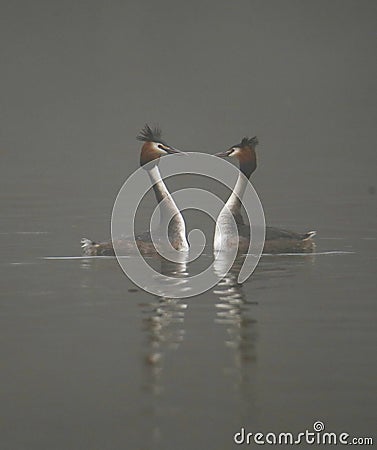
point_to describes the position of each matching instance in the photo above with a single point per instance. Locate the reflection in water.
(236, 312)
(277, 270)
(163, 327)
(231, 310)
(164, 324)
(86, 266)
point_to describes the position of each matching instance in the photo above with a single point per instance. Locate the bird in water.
(276, 240)
(153, 148)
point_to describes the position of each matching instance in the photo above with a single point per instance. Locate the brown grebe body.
(277, 240)
(153, 149)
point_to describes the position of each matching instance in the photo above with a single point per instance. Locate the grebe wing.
(144, 237)
(274, 233)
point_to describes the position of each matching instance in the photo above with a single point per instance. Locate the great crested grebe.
(276, 240)
(153, 149)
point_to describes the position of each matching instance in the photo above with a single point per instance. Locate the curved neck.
(170, 216)
(234, 202)
(224, 230)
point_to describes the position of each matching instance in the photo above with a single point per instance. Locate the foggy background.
(88, 360)
(79, 79)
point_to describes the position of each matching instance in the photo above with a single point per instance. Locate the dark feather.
(148, 134)
(249, 142)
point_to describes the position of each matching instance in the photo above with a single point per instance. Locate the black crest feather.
(250, 142)
(148, 134)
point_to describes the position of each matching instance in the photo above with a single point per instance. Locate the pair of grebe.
(154, 147)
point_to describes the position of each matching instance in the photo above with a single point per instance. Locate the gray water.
(88, 360)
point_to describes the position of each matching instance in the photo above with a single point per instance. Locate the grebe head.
(154, 146)
(245, 154)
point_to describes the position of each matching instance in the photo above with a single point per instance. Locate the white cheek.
(159, 150)
(236, 152)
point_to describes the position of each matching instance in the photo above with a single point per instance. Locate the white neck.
(224, 229)
(234, 201)
(168, 210)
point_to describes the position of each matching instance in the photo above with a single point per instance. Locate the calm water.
(88, 361)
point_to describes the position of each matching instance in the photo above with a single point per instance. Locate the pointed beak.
(223, 154)
(173, 151)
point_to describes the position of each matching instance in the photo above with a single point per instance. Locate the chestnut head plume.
(154, 145)
(245, 153)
